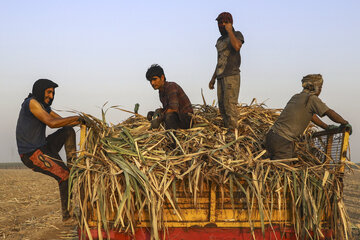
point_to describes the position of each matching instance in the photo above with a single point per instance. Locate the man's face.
(221, 25)
(49, 95)
(157, 82)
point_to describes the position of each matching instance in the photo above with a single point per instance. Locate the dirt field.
(352, 197)
(30, 206)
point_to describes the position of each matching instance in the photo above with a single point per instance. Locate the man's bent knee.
(69, 131)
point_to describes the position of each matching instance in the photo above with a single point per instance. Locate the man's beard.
(223, 31)
(49, 104)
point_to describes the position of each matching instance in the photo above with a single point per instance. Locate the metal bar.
(212, 203)
(327, 132)
(330, 139)
(344, 148)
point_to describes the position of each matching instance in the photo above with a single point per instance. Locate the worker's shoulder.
(239, 35)
(35, 105)
(314, 97)
(299, 98)
(26, 102)
(171, 85)
(309, 98)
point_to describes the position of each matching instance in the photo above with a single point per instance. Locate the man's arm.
(335, 117)
(315, 119)
(54, 114)
(332, 115)
(235, 43)
(53, 120)
(213, 80)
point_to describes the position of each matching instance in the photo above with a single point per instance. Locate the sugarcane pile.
(126, 170)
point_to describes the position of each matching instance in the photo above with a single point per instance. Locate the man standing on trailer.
(41, 153)
(302, 108)
(177, 109)
(227, 71)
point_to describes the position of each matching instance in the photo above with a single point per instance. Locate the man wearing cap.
(227, 70)
(302, 108)
(177, 109)
(41, 153)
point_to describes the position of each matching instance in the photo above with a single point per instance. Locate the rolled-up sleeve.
(239, 36)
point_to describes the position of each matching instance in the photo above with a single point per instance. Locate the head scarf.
(312, 83)
(38, 90)
(225, 17)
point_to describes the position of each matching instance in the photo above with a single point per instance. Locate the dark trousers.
(278, 147)
(176, 120)
(47, 160)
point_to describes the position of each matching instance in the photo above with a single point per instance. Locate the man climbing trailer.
(41, 153)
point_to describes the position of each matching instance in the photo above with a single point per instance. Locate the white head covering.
(312, 83)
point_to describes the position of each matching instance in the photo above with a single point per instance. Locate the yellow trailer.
(215, 215)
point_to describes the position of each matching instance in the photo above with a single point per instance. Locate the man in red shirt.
(177, 109)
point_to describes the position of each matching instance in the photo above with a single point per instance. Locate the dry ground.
(352, 197)
(30, 206)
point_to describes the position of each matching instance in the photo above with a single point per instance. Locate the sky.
(98, 52)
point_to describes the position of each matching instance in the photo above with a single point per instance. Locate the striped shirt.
(172, 96)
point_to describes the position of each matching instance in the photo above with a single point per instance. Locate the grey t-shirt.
(229, 60)
(297, 114)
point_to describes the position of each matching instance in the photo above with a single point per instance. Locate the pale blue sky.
(99, 51)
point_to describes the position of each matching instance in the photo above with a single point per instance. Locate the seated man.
(176, 105)
(297, 114)
(41, 153)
